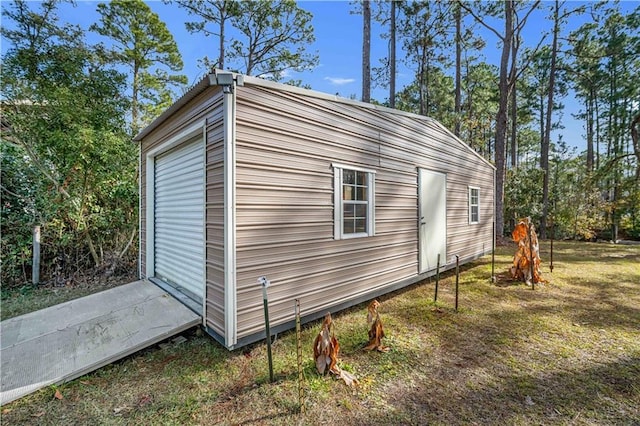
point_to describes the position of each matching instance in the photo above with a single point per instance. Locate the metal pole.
(435, 297)
(531, 268)
(457, 278)
(265, 283)
(493, 252)
(553, 231)
(35, 269)
(299, 345)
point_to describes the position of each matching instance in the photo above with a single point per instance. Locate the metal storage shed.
(335, 201)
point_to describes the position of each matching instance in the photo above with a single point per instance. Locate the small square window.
(353, 202)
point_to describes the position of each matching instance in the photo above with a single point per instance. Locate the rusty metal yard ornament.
(325, 353)
(526, 261)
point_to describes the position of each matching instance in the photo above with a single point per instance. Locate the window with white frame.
(474, 205)
(354, 195)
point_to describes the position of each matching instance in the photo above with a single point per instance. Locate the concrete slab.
(63, 342)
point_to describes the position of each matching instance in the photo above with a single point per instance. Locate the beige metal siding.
(206, 106)
(215, 219)
(286, 143)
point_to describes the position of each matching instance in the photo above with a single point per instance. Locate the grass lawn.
(567, 352)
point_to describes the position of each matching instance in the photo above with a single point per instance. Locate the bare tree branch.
(481, 22)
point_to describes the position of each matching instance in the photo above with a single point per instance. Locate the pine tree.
(141, 41)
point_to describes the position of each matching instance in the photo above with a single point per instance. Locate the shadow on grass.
(558, 397)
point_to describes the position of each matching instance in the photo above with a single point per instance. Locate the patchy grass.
(567, 352)
(28, 298)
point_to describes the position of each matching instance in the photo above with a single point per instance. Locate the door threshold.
(185, 297)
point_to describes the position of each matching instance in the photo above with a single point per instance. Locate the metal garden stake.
(265, 283)
(531, 266)
(299, 347)
(457, 278)
(553, 231)
(493, 252)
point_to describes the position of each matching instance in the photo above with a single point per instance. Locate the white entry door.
(179, 217)
(432, 187)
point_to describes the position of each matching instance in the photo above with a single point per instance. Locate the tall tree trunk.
(134, 100)
(542, 121)
(635, 125)
(514, 106)
(92, 250)
(422, 70)
(392, 57)
(589, 109)
(366, 51)
(501, 118)
(544, 149)
(597, 118)
(458, 89)
(611, 146)
(221, 51)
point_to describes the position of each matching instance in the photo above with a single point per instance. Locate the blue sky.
(339, 44)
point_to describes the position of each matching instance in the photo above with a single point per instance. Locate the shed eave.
(195, 90)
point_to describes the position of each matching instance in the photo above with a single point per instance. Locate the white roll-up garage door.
(179, 217)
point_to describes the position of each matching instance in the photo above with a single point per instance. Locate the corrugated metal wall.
(206, 106)
(215, 217)
(286, 144)
(179, 216)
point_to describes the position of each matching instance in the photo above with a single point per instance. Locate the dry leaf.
(6, 411)
(325, 353)
(58, 395)
(144, 400)
(39, 414)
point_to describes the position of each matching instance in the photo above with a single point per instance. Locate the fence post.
(531, 266)
(265, 283)
(553, 231)
(457, 278)
(35, 270)
(299, 346)
(493, 252)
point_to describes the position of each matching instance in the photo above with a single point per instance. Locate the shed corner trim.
(230, 297)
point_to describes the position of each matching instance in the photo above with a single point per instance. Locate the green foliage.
(479, 105)
(210, 12)
(437, 97)
(576, 204)
(522, 194)
(605, 70)
(276, 36)
(67, 165)
(630, 211)
(18, 211)
(143, 43)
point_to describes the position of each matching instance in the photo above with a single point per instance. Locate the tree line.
(70, 109)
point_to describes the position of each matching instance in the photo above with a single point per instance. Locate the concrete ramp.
(63, 342)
